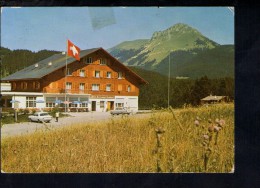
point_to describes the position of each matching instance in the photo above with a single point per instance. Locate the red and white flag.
(73, 50)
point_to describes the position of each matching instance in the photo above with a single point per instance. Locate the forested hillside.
(15, 60)
(182, 91)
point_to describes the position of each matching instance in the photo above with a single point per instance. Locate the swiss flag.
(73, 50)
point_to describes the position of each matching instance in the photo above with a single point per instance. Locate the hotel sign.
(101, 97)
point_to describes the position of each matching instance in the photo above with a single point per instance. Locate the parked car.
(40, 117)
(120, 110)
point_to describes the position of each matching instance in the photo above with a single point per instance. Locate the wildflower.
(216, 128)
(206, 137)
(222, 122)
(196, 122)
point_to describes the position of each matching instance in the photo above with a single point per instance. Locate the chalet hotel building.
(98, 82)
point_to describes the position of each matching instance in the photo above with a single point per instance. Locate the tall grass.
(127, 144)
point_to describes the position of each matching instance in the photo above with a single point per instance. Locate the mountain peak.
(177, 29)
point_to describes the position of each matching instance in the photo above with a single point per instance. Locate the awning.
(40, 101)
(58, 101)
(76, 102)
(14, 101)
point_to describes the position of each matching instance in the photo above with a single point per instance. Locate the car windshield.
(44, 114)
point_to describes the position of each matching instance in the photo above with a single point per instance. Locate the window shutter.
(101, 74)
(119, 87)
(93, 73)
(132, 88)
(112, 87)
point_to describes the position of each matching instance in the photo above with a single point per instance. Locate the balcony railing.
(76, 91)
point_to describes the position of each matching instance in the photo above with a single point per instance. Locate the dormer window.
(89, 60)
(103, 61)
(82, 73)
(120, 75)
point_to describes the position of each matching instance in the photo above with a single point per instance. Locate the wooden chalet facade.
(98, 82)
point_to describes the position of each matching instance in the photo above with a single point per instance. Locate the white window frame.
(128, 88)
(82, 73)
(81, 86)
(95, 87)
(120, 75)
(97, 74)
(109, 74)
(68, 85)
(103, 61)
(108, 87)
(89, 60)
(30, 102)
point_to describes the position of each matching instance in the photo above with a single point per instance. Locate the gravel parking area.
(82, 117)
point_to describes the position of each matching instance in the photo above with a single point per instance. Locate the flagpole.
(66, 77)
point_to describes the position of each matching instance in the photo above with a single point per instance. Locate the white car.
(120, 110)
(40, 117)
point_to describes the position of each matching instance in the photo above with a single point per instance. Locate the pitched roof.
(213, 98)
(42, 68)
(58, 61)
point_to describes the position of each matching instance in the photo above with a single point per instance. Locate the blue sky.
(38, 28)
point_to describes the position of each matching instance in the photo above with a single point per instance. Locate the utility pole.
(169, 75)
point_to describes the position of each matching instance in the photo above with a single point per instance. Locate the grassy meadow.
(179, 140)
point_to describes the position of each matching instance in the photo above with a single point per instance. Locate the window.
(103, 61)
(24, 85)
(128, 88)
(102, 104)
(89, 60)
(68, 85)
(120, 75)
(108, 87)
(50, 102)
(82, 86)
(30, 102)
(82, 73)
(109, 74)
(69, 72)
(119, 105)
(97, 74)
(95, 87)
(83, 105)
